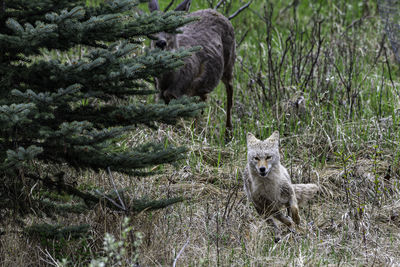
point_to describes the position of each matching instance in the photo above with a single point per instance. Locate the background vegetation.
(323, 74)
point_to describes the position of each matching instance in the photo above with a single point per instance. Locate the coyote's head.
(263, 155)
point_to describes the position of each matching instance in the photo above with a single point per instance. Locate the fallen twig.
(180, 252)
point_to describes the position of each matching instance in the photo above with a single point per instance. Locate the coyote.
(205, 68)
(267, 183)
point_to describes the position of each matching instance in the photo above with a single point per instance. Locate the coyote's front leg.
(283, 219)
(288, 197)
(277, 231)
(294, 209)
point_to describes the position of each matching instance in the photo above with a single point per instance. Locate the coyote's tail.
(305, 192)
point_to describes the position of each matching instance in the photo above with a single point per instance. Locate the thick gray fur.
(268, 186)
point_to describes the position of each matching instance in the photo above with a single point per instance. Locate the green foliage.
(56, 231)
(115, 251)
(140, 204)
(63, 108)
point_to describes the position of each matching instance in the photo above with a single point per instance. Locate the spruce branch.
(56, 231)
(71, 79)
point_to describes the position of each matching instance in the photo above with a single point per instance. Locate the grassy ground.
(324, 76)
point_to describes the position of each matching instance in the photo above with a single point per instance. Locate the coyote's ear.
(275, 135)
(251, 139)
(184, 6)
(153, 5)
(274, 138)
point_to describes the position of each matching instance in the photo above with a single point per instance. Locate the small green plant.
(344, 161)
(115, 252)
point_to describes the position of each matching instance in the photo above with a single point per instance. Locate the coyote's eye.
(268, 157)
(256, 158)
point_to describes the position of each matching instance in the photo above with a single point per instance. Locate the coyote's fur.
(267, 183)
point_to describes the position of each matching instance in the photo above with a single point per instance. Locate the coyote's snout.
(205, 68)
(267, 183)
(263, 166)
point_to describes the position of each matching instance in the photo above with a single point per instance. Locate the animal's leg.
(294, 209)
(227, 79)
(277, 231)
(283, 218)
(229, 95)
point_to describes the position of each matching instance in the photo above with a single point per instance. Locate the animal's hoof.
(228, 135)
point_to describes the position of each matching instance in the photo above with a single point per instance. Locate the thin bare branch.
(242, 39)
(240, 10)
(169, 5)
(110, 200)
(219, 4)
(48, 258)
(180, 252)
(115, 189)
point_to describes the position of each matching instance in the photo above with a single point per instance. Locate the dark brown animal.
(205, 68)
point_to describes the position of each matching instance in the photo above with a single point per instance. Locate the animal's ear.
(274, 138)
(251, 139)
(184, 6)
(153, 5)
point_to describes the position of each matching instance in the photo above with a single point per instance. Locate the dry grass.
(221, 228)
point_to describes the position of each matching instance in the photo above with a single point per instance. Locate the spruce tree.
(70, 75)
